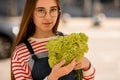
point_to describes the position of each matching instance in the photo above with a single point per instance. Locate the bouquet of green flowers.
(67, 48)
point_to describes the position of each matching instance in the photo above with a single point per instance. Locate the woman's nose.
(48, 16)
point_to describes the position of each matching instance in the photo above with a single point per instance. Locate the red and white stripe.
(90, 74)
(21, 57)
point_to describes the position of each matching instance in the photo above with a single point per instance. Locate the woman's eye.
(54, 9)
(41, 10)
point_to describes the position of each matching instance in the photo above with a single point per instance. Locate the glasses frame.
(59, 11)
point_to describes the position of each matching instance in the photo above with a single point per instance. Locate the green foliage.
(67, 48)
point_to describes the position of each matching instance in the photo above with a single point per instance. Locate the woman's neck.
(43, 34)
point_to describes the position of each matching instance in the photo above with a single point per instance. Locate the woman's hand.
(59, 70)
(84, 64)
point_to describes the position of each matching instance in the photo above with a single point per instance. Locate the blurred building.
(88, 8)
(11, 8)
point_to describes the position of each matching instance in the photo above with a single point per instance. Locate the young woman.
(29, 59)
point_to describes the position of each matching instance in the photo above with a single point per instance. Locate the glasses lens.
(40, 12)
(54, 12)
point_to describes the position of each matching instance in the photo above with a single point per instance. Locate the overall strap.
(30, 49)
(29, 46)
(60, 33)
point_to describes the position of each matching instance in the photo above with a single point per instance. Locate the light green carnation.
(67, 48)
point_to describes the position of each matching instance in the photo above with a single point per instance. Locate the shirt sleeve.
(20, 68)
(89, 74)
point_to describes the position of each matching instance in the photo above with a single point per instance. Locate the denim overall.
(40, 67)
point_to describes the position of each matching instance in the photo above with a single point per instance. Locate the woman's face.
(45, 15)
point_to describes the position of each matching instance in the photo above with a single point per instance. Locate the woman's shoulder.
(21, 51)
(22, 46)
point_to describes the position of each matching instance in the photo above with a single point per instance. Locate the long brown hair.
(27, 26)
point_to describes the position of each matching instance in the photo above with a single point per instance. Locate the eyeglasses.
(41, 12)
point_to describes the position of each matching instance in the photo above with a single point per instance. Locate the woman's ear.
(32, 15)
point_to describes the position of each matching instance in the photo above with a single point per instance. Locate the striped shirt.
(21, 57)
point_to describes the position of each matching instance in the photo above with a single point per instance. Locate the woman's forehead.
(46, 3)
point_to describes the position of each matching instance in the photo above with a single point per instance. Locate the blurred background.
(99, 19)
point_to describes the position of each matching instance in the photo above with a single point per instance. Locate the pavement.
(104, 46)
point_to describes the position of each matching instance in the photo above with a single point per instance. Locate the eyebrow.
(44, 7)
(54, 6)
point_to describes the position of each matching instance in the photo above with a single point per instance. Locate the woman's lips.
(47, 24)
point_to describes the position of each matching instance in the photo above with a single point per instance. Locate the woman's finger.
(70, 66)
(60, 64)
